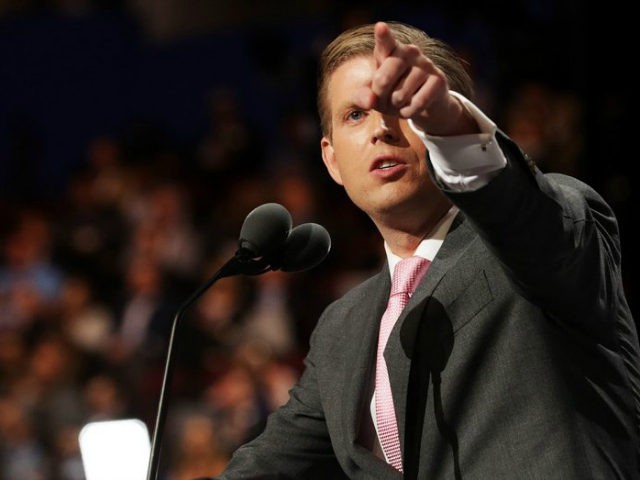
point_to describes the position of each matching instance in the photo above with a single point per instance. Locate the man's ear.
(329, 159)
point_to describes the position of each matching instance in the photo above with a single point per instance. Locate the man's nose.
(386, 129)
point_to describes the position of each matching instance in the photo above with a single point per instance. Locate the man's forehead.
(352, 73)
(353, 61)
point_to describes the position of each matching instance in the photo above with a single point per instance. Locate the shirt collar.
(430, 244)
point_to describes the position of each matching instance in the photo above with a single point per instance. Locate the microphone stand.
(267, 242)
(240, 263)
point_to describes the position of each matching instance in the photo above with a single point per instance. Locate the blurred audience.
(85, 321)
(547, 125)
(196, 451)
(22, 455)
(30, 282)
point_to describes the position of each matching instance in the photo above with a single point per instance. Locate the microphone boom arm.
(238, 264)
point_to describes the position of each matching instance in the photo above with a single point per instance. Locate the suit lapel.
(360, 361)
(400, 345)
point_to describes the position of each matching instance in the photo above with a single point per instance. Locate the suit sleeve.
(556, 238)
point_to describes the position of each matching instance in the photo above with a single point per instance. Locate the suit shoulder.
(578, 193)
(358, 293)
(574, 183)
(364, 292)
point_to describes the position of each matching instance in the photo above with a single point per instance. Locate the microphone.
(267, 242)
(264, 231)
(307, 245)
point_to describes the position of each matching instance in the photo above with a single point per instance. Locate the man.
(517, 355)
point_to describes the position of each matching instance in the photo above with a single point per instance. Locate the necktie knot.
(407, 274)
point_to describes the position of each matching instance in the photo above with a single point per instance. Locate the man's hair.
(360, 41)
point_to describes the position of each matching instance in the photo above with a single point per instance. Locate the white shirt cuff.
(465, 162)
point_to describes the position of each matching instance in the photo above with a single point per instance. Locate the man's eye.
(355, 115)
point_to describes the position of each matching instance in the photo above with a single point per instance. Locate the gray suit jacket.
(516, 358)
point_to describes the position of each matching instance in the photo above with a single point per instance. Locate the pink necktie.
(406, 276)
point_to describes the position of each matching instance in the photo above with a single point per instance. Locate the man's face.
(378, 159)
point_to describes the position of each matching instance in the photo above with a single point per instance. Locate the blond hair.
(360, 41)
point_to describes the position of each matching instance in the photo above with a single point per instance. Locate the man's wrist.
(455, 119)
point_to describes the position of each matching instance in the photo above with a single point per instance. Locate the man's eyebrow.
(347, 106)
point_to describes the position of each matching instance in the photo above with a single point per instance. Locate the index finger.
(385, 42)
